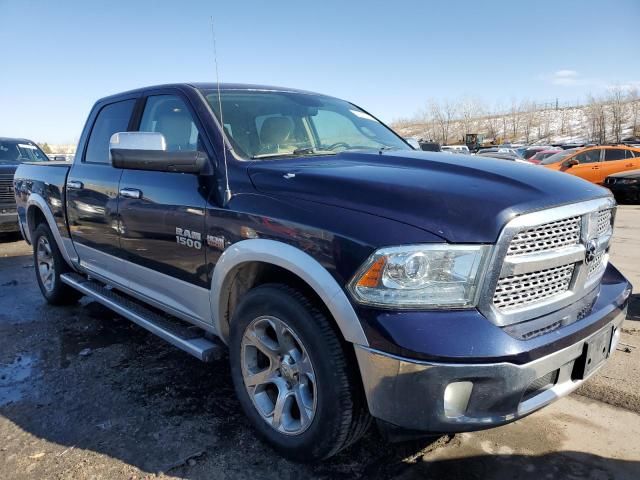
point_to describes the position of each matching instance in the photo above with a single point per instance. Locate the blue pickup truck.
(349, 276)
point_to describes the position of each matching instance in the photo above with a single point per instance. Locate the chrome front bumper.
(441, 398)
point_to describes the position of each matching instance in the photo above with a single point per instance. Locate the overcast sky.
(390, 57)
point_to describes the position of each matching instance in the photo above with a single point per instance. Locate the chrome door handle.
(75, 185)
(131, 193)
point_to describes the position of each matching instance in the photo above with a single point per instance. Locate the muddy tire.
(290, 372)
(49, 265)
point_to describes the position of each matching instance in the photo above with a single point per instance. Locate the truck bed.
(44, 182)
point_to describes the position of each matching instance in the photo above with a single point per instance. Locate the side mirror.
(570, 163)
(148, 151)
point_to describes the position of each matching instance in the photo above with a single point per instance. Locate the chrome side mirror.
(148, 151)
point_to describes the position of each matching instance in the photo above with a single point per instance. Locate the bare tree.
(596, 120)
(617, 107)
(634, 111)
(443, 115)
(515, 117)
(470, 110)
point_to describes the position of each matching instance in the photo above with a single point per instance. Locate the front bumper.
(413, 394)
(9, 219)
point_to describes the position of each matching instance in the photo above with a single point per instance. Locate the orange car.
(595, 163)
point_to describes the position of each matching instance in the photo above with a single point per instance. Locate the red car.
(541, 155)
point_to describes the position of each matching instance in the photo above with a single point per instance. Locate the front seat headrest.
(275, 130)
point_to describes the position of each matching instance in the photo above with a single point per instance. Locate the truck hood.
(8, 168)
(460, 198)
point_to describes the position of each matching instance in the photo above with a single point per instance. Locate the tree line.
(609, 117)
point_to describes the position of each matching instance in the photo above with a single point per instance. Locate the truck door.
(92, 191)
(162, 217)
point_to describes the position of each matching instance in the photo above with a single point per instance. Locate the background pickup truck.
(349, 276)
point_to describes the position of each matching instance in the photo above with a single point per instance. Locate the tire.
(49, 265)
(327, 387)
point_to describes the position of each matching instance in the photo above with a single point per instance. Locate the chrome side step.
(188, 338)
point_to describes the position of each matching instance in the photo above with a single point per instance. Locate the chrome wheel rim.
(278, 375)
(46, 267)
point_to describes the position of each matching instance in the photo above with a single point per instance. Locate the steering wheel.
(338, 144)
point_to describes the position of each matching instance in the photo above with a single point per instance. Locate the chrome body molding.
(176, 297)
(297, 262)
(411, 394)
(64, 245)
(502, 264)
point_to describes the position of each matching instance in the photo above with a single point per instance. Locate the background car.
(503, 156)
(531, 151)
(14, 151)
(596, 163)
(455, 149)
(625, 186)
(542, 154)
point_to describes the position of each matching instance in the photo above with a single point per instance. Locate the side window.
(591, 156)
(335, 128)
(612, 154)
(630, 154)
(112, 118)
(168, 114)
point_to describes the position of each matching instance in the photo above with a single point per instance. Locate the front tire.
(49, 265)
(291, 375)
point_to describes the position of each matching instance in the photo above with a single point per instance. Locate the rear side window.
(113, 118)
(591, 156)
(631, 154)
(612, 154)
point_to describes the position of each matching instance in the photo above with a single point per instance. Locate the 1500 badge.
(188, 238)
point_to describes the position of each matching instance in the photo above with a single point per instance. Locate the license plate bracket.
(597, 351)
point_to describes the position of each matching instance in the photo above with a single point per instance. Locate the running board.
(188, 338)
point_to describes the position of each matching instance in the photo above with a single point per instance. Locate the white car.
(456, 149)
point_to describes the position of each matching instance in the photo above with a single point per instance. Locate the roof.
(18, 139)
(214, 86)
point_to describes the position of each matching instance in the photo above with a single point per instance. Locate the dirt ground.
(86, 394)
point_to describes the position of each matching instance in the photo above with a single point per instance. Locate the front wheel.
(291, 374)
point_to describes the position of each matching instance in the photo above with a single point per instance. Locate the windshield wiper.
(296, 152)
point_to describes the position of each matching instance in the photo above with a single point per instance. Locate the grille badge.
(591, 251)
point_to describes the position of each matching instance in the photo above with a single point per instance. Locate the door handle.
(131, 193)
(75, 185)
(595, 168)
(628, 165)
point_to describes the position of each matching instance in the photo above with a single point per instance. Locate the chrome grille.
(518, 291)
(596, 264)
(603, 222)
(6, 189)
(550, 236)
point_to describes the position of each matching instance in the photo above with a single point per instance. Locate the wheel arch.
(37, 211)
(239, 266)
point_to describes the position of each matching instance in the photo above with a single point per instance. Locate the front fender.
(297, 262)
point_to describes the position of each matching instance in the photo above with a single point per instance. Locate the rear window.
(18, 151)
(113, 118)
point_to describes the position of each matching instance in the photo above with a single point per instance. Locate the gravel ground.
(86, 394)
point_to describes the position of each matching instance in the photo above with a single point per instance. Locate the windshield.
(267, 124)
(557, 157)
(18, 151)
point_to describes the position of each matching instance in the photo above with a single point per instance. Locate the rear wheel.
(290, 372)
(49, 265)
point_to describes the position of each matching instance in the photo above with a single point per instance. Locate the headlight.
(421, 276)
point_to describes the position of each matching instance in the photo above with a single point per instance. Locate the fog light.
(456, 398)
